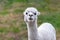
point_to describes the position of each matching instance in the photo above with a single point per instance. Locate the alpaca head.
(30, 14)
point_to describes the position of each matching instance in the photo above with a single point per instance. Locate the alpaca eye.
(34, 13)
(26, 13)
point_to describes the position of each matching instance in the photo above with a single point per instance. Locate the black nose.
(30, 15)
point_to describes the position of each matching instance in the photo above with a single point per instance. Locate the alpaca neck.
(32, 31)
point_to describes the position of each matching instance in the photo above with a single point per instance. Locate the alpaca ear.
(24, 12)
(24, 15)
(38, 13)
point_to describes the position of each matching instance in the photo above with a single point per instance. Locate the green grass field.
(12, 25)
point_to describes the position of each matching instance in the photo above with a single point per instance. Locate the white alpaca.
(45, 32)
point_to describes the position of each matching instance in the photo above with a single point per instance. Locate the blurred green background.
(12, 25)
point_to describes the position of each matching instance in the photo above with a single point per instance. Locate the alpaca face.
(30, 14)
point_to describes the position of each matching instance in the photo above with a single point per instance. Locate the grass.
(4, 12)
(50, 12)
(52, 18)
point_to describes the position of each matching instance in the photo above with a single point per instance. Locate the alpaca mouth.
(30, 18)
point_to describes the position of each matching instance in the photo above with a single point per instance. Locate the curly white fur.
(45, 31)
